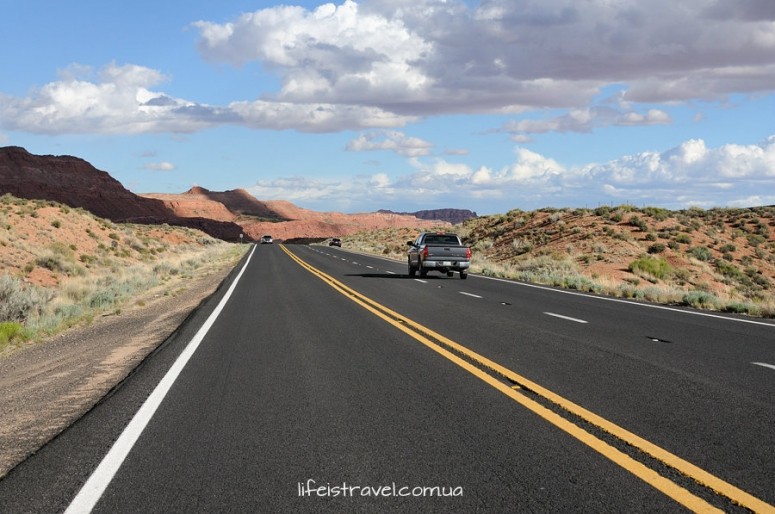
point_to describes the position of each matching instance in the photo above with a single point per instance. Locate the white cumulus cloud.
(394, 141)
(690, 174)
(431, 56)
(159, 166)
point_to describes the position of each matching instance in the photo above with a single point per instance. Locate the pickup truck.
(442, 252)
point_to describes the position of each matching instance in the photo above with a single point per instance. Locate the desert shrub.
(520, 245)
(743, 308)
(728, 248)
(657, 213)
(165, 269)
(545, 269)
(56, 223)
(484, 244)
(656, 267)
(729, 270)
(755, 239)
(656, 248)
(682, 275)
(637, 221)
(52, 262)
(701, 300)
(701, 253)
(581, 283)
(756, 277)
(20, 301)
(102, 299)
(683, 239)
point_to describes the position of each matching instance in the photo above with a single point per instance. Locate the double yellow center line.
(493, 374)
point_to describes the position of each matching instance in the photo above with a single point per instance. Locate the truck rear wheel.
(412, 270)
(463, 275)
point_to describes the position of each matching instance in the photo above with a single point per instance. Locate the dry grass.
(61, 267)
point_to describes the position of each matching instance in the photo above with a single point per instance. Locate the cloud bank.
(382, 64)
(690, 174)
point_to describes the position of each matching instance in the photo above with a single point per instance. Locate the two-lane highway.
(314, 390)
(692, 382)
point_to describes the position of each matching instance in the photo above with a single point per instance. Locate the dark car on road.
(443, 252)
(335, 242)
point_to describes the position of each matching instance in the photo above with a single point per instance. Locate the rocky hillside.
(278, 218)
(76, 183)
(720, 259)
(223, 206)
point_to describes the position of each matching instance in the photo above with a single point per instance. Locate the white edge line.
(565, 317)
(470, 294)
(95, 486)
(421, 281)
(604, 298)
(626, 302)
(764, 364)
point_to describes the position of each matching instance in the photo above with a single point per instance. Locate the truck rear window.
(441, 240)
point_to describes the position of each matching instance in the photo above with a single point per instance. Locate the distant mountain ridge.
(75, 182)
(226, 215)
(279, 218)
(454, 216)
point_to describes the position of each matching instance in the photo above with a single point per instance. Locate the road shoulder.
(46, 387)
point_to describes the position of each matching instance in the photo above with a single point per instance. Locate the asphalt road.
(299, 399)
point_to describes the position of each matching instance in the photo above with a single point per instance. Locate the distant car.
(335, 242)
(266, 240)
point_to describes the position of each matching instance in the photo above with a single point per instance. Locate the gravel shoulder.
(46, 387)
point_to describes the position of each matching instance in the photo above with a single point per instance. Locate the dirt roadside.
(46, 387)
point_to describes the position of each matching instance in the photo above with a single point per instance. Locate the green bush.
(656, 267)
(730, 270)
(10, 331)
(637, 221)
(755, 239)
(701, 300)
(701, 253)
(657, 213)
(683, 239)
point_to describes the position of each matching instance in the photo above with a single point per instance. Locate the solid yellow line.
(646, 474)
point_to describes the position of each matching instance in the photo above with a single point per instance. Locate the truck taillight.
(425, 253)
(468, 254)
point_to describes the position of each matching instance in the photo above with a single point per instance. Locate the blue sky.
(404, 104)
